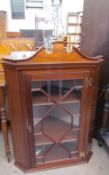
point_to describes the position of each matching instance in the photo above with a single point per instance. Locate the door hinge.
(89, 82)
(82, 154)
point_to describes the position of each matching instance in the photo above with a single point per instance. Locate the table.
(3, 114)
(14, 55)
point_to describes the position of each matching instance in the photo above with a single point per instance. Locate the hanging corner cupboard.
(52, 101)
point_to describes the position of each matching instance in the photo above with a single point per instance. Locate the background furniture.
(5, 50)
(74, 27)
(104, 130)
(7, 46)
(3, 24)
(94, 41)
(3, 113)
(52, 110)
(13, 34)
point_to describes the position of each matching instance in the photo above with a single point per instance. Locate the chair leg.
(4, 124)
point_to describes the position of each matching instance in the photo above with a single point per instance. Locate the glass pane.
(56, 114)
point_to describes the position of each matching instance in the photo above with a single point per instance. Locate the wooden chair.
(25, 47)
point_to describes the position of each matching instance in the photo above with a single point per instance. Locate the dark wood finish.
(96, 24)
(104, 130)
(55, 165)
(59, 65)
(94, 41)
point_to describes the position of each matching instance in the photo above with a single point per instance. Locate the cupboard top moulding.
(59, 58)
(52, 109)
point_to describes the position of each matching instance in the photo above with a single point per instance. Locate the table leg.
(4, 123)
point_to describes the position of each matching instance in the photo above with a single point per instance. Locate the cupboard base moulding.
(54, 165)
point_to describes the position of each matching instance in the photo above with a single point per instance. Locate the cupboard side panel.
(26, 103)
(84, 119)
(95, 89)
(91, 107)
(18, 118)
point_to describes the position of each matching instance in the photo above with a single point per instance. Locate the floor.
(98, 165)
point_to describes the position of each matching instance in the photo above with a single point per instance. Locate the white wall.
(29, 21)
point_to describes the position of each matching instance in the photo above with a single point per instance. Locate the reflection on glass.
(56, 111)
(48, 45)
(48, 35)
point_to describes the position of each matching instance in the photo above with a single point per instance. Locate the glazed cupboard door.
(59, 110)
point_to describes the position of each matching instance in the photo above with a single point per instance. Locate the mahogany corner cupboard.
(52, 101)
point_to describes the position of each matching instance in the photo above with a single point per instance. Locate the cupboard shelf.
(55, 129)
(77, 87)
(38, 101)
(45, 100)
(59, 153)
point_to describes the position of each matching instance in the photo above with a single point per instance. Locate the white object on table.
(20, 55)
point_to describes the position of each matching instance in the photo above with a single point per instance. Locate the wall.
(29, 21)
